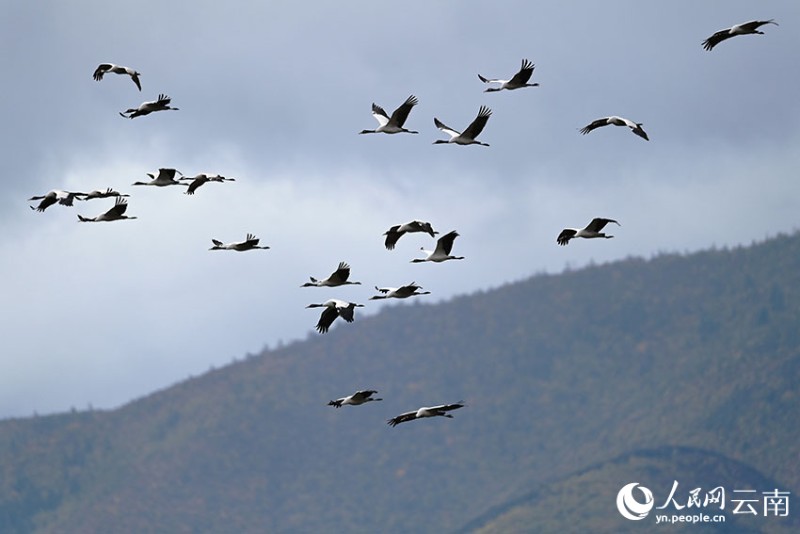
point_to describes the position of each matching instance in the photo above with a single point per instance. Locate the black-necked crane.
(519, 80)
(397, 231)
(426, 411)
(636, 127)
(467, 137)
(250, 243)
(165, 176)
(105, 68)
(339, 277)
(117, 213)
(592, 230)
(99, 193)
(442, 252)
(402, 292)
(202, 178)
(744, 28)
(145, 108)
(393, 124)
(65, 198)
(356, 399)
(334, 308)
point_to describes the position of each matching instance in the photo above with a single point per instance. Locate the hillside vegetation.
(571, 382)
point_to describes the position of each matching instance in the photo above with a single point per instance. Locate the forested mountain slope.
(562, 375)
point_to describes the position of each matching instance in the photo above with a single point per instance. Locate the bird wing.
(163, 101)
(640, 132)
(524, 74)
(326, 319)
(341, 274)
(445, 243)
(217, 242)
(119, 208)
(446, 129)
(474, 129)
(490, 80)
(392, 235)
(400, 115)
(380, 114)
(448, 407)
(565, 235)
(384, 290)
(717, 38)
(135, 78)
(402, 418)
(100, 70)
(594, 124)
(363, 394)
(197, 182)
(346, 313)
(755, 24)
(598, 224)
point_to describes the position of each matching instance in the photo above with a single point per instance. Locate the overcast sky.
(274, 93)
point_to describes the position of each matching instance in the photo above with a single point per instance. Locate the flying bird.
(592, 230)
(393, 124)
(740, 29)
(98, 193)
(116, 213)
(165, 176)
(162, 104)
(105, 68)
(339, 277)
(396, 232)
(250, 243)
(356, 399)
(520, 79)
(409, 290)
(64, 198)
(636, 127)
(426, 411)
(334, 308)
(202, 178)
(442, 253)
(469, 135)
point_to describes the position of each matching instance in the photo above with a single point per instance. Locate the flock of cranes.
(333, 308)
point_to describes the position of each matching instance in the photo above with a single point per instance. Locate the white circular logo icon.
(629, 507)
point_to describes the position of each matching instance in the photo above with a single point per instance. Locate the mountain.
(678, 368)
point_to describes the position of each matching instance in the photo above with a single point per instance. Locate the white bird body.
(339, 277)
(202, 178)
(165, 176)
(116, 213)
(467, 137)
(98, 193)
(356, 399)
(334, 308)
(636, 127)
(65, 198)
(442, 252)
(592, 230)
(250, 243)
(519, 80)
(744, 28)
(145, 108)
(402, 292)
(394, 233)
(426, 411)
(393, 124)
(105, 68)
